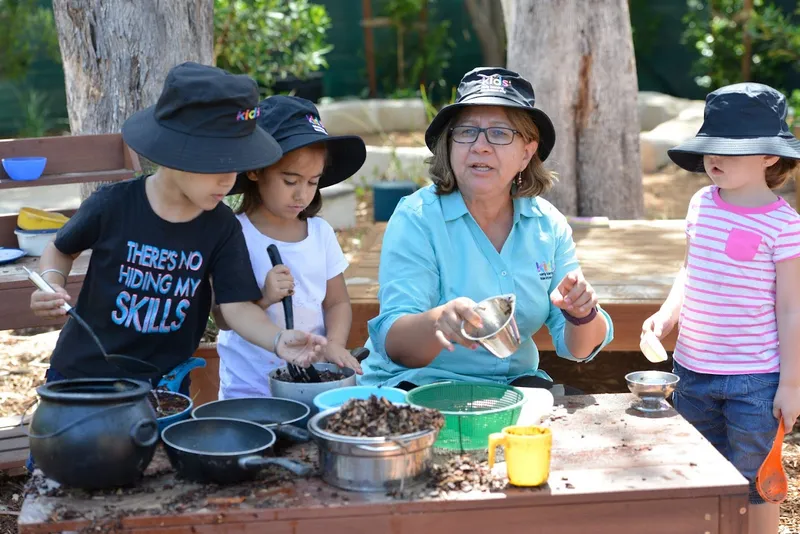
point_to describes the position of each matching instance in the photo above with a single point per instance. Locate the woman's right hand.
(660, 323)
(45, 304)
(448, 325)
(278, 284)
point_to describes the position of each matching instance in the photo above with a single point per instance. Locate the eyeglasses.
(496, 135)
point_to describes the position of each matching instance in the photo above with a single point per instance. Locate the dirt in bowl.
(378, 417)
(168, 403)
(324, 376)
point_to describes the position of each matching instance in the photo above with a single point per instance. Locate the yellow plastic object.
(527, 453)
(36, 219)
(652, 348)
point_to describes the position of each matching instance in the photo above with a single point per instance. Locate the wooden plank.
(69, 153)
(733, 518)
(71, 178)
(16, 289)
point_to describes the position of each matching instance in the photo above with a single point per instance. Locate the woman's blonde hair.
(536, 180)
(778, 173)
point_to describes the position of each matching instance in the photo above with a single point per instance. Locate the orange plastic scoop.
(771, 480)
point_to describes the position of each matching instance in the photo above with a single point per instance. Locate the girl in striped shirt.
(735, 299)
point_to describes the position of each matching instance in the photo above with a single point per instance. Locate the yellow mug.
(527, 453)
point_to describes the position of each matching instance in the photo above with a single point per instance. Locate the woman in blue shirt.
(478, 231)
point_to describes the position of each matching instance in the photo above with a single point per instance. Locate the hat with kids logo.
(294, 123)
(744, 119)
(205, 122)
(495, 86)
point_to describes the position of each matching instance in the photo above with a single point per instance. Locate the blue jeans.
(51, 375)
(734, 413)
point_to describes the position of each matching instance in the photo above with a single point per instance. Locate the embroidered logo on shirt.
(545, 270)
(495, 82)
(248, 114)
(316, 124)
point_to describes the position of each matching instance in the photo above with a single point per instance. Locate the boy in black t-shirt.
(160, 243)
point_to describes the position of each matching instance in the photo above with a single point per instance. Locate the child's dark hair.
(251, 196)
(781, 171)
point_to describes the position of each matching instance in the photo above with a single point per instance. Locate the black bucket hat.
(204, 122)
(495, 86)
(294, 123)
(744, 119)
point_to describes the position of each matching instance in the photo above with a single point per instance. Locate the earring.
(519, 179)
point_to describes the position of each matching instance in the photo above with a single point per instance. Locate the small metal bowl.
(652, 388)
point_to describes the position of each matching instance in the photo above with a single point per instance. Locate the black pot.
(310, 88)
(94, 433)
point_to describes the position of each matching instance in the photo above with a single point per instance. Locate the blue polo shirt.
(433, 251)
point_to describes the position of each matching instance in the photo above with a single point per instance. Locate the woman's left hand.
(574, 295)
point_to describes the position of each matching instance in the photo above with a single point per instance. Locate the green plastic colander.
(471, 411)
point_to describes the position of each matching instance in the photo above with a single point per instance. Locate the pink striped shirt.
(727, 322)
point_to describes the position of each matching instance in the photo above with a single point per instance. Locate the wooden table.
(631, 265)
(612, 471)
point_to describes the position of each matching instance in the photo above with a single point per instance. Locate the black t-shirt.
(147, 292)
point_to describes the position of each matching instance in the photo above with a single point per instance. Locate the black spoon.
(309, 374)
(126, 363)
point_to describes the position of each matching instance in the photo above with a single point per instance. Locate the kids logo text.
(316, 124)
(248, 114)
(545, 269)
(170, 277)
(495, 82)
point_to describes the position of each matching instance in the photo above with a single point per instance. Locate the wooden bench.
(631, 265)
(13, 444)
(70, 160)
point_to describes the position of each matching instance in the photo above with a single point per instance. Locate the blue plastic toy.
(24, 169)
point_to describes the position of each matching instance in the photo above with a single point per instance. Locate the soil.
(378, 417)
(168, 403)
(324, 376)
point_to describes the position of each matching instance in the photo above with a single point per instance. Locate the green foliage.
(36, 117)
(271, 39)
(26, 31)
(716, 30)
(426, 51)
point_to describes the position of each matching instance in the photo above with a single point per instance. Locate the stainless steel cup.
(499, 334)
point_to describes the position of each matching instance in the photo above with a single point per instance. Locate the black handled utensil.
(297, 373)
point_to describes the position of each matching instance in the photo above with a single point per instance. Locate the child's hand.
(660, 323)
(278, 284)
(339, 355)
(787, 404)
(44, 304)
(300, 348)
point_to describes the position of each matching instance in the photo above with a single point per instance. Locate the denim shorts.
(734, 413)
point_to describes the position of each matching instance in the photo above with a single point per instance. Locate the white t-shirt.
(244, 367)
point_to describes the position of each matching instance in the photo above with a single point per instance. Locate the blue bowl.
(333, 398)
(164, 422)
(24, 169)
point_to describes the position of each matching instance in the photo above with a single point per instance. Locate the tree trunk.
(116, 55)
(509, 9)
(581, 64)
(487, 21)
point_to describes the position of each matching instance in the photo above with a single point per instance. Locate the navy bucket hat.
(744, 119)
(204, 122)
(294, 123)
(495, 86)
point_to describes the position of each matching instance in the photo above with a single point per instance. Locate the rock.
(656, 108)
(339, 205)
(393, 163)
(654, 144)
(373, 116)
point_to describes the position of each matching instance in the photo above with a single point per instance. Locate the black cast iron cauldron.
(94, 433)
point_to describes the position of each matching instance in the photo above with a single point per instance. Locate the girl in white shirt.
(279, 206)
